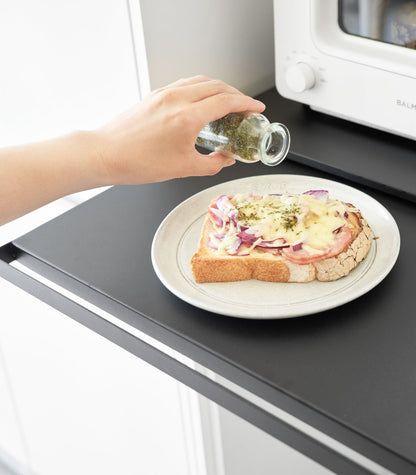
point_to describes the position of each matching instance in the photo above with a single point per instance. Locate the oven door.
(376, 33)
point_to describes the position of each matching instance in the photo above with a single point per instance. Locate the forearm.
(153, 141)
(33, 175)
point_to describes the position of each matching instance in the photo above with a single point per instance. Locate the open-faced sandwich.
(280, 238)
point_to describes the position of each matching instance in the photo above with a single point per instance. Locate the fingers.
(197, 88)
(206, 99)
(202, 90)
(209, 164)
(184, 82)
(216, 106)
(189, 81)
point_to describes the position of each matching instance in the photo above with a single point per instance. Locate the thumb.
(214, 162)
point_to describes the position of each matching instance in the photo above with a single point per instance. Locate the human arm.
(153, 141)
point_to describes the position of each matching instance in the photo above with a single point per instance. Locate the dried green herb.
(289, 222)
(289, 219)
(236, 133)
(248, 137)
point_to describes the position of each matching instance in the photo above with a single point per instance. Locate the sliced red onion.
(241, 254)
(223, 203)
(212, 244)
(219, 215)
(247, 237)
(283, 240)
(233, 216)
(321, 195)
(278, 243)
(338, 229)
(272, 246)
(220, 235)
(298, 246)
(337, 213)
(233, 248)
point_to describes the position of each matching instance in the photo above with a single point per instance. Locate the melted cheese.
(296, 218)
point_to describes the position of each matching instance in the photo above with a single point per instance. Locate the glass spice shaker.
(248, 137)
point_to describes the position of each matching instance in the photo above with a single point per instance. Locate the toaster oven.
(354, 59)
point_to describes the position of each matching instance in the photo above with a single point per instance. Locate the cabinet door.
(247, 450)
(12, 444)
(87, 406)
(234, 446)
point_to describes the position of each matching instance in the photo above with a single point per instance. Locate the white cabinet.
(85, 405)
(12, 443)
(248, 450)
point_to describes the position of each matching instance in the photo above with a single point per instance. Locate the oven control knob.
(300, 77)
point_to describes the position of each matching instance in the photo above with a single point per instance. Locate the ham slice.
(342, 241)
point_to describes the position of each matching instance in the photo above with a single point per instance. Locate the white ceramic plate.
(176, 240)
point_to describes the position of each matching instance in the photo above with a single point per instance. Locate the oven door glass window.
(389, 21)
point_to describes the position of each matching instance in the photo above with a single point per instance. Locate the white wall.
(65, 65)
(230, 40)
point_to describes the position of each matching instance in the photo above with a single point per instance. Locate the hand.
(155, 140)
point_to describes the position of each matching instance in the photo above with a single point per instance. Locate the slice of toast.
(280, 259)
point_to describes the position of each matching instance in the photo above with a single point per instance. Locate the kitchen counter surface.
(349, 150)
(348, 372)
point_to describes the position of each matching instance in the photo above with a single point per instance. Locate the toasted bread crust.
(208, 266)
